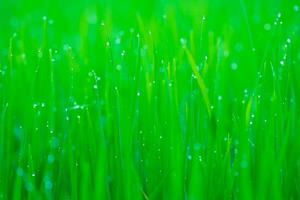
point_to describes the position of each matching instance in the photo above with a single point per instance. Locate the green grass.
(150, 100)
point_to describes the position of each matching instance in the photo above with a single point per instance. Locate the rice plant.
(162, 99)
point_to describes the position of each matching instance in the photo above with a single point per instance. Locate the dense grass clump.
(149, 100)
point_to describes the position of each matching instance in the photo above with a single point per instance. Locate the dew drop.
(28, 186)
(40, 53)
(35, 105)
(267, 27)
(48, 184)
(20, 171)
(244, 162)
(118, 40)
(51, 158)
(183, 42)
(234, 66)
(200, 158)
(279, 15)
(123, 53)
(119, 67)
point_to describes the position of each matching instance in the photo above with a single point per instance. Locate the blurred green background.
(149, 99)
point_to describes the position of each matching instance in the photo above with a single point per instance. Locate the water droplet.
(28, 186)
(20, 171)
(183, 42)
(197, 146)
(50, 21)
(76, 107)
(92, 18)
(138, 94)
(48, 184)
(234, 66)
(250, 142)
(118, 67)
(281, 62)
(200, 158)
(235, 151)
(23, 56)
(226, 53)
(267, 27)
(118, 40)
(92, 73)
(244, 162)
(236, 173)
(279, 15)
(220, 98)
(51, 158)
(123, 53)
(40, 53)
(239, 47)
(296, 8)
(189, 157)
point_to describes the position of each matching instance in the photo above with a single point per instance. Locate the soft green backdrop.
(149, 99)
